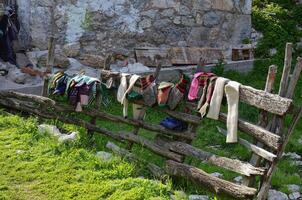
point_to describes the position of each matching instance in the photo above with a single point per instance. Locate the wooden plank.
(262, 195)
(257, 150)
(286, 69)
(264, 100)
(215, 184)
(268, 138)
(119, 119)
(263, 121)
(226, 163)
(56, 114)
(294, 79)
(192, 55)
(147, 55)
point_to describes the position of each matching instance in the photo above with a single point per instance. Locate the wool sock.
(217, 98)
(232, 94)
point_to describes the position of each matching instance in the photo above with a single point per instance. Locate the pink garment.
(196, 83)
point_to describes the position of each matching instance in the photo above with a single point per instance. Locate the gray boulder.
(276, 195)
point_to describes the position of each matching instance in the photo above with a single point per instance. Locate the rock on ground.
(295, 196)
(104, 155)
(293, 188)
(293, 155)
(198, 197)
(216, 174)
(276, 195)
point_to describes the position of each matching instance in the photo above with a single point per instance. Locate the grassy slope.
(36, 167)
(278, 29)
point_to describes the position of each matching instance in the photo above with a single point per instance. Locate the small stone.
(273, 52)
(178, 195)
(297, 163)
(198, 197)
(293, 156)
(17, 76)
(20, 151)
(64, 138)
(293, 188)
(72, 49)
(177, 20)
(211, 19)
(217, 175)
(49, 129)
(238, 179)
(295, 196)
(91, 60)
(104, 155)
(276, 195)
(146, 23)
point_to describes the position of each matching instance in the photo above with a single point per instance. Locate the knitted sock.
(177, 92)
(209, 93)
(232, 93)
(217, 99)
(138, 112)
(148, 90)
(164, 90)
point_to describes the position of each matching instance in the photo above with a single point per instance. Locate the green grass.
(35, 166)
(47, 170)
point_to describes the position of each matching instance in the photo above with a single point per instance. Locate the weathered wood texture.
(218, 185)
(255, 149)
(227, 163)
(261, 134)
(264, 100)
(294, 79)
(69, 120)
(286, 69)
(263, 193)
(263, 121)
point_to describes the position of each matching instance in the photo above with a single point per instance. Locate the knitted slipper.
(84, 94)
(164, 90)
(139, 112)
(209, 93)
(177, 93)
(148, 88)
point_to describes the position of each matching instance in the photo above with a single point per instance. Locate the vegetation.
(36, 167)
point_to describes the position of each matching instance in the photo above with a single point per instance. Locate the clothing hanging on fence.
(232, 94)
(149, 90)
(217, 97)
(206, 97)
(164, 90)
(124, 92)
(80, 90)
(199, 80)
(178, 91)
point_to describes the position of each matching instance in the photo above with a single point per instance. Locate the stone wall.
(100, 26)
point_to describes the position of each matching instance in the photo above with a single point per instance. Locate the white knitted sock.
(232, 94)
(124, 99)
(122, 88)
(217, 97)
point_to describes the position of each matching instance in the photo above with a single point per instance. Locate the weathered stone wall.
(100, 26)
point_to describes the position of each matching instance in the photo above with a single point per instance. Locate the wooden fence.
(270, 134)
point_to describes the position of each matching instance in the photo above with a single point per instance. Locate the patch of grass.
(35, 166)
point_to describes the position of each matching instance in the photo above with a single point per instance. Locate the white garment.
(232, 94)
(121, 92)
(217, 97)
(124, 100)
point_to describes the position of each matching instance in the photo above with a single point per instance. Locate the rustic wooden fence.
(270, 134)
